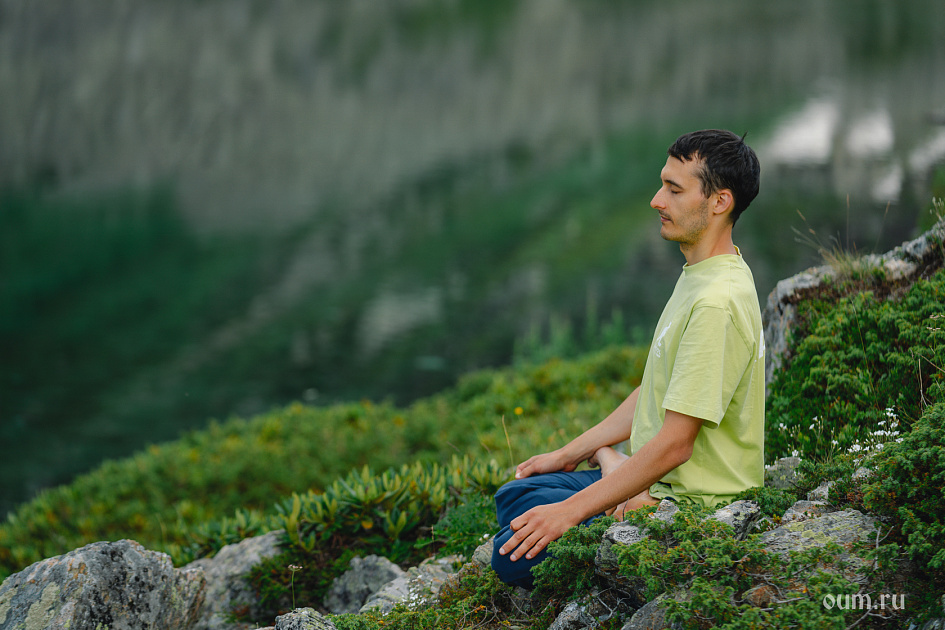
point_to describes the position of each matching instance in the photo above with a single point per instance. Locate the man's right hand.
(555, 461)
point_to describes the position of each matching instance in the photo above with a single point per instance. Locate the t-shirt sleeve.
(710, 361)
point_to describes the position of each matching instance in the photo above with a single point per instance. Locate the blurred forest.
(211, 208)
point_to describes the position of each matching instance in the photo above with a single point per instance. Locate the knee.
(517, 573)
(512, 489)
(507, 500)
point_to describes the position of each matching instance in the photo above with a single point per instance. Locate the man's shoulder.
(733, 287)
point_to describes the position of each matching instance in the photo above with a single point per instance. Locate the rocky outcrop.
(844, 528)
(227, 586)
(782, 473)
(805, 510)
(302, 619)
(898, 267)
(366, 577)
(115, 585)
(810, 525)
(122, 585)
(418, 585)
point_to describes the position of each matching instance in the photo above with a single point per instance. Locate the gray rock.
(739, 516)
(616, 534)
(844, 528)
(118, 585)
(303, 619)
(803, 511)
(650, 616)
(573, 617)
(626, 534)
(821, 492)
(227, 586)
(780, 313)
(665, 511)
(419, 585)
(592, 610)
(901, 265)
(482, 556)
(366, 577)
(782, 473)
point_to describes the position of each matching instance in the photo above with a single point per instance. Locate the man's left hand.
(535, 529)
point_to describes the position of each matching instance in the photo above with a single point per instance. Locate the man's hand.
(555, 461)
(535, 529)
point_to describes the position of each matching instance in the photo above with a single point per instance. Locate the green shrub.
(907, 486)
(862, 374)
(568, 572)
(717, 569)
(476, 599)
(468, 525)
(161, 496)
(773, 501)
(385, 514)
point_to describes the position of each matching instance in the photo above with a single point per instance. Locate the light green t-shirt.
(707, 361)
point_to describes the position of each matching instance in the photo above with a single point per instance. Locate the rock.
(821, 492)
(366, 577)
(760, 595)
(844, 528)
(118, 585)
(780, 313)
(592, 610)
(650, 616)
(420, 584)
(739, 516)
(573, 617)
(227, 586)
(617, 534)
(665, 511)
(482, 556)
(901, 266)
(303, 619)
(626, 534)
(782, 473)
(804, 510)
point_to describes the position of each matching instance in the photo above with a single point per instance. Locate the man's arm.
(613, 429)
(669, 448)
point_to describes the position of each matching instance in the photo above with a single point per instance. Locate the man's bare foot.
(608, 459)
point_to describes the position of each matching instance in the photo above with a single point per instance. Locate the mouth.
(664, 218)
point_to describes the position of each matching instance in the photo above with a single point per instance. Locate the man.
(696, 422)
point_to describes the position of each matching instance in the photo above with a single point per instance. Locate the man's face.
(683, 209)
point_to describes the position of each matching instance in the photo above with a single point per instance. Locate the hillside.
(864, 370)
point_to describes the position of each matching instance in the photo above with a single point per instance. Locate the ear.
(722, 201)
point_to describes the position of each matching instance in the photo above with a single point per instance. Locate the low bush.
(477, 599)
(389, 514)
(569, 571)
(718, 570)
(164, 496)
(907, 486)
(861, 375)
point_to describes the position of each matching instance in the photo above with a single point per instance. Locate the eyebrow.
(666, 180)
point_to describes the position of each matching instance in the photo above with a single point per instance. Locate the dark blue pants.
(517, 497)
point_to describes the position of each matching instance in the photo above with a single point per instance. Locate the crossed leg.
(518, 496)
(610, 460)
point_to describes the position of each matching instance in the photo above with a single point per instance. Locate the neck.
(713, 244)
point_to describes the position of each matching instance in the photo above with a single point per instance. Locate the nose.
(657, 201)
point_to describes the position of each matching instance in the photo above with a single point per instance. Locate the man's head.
(727, 164)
